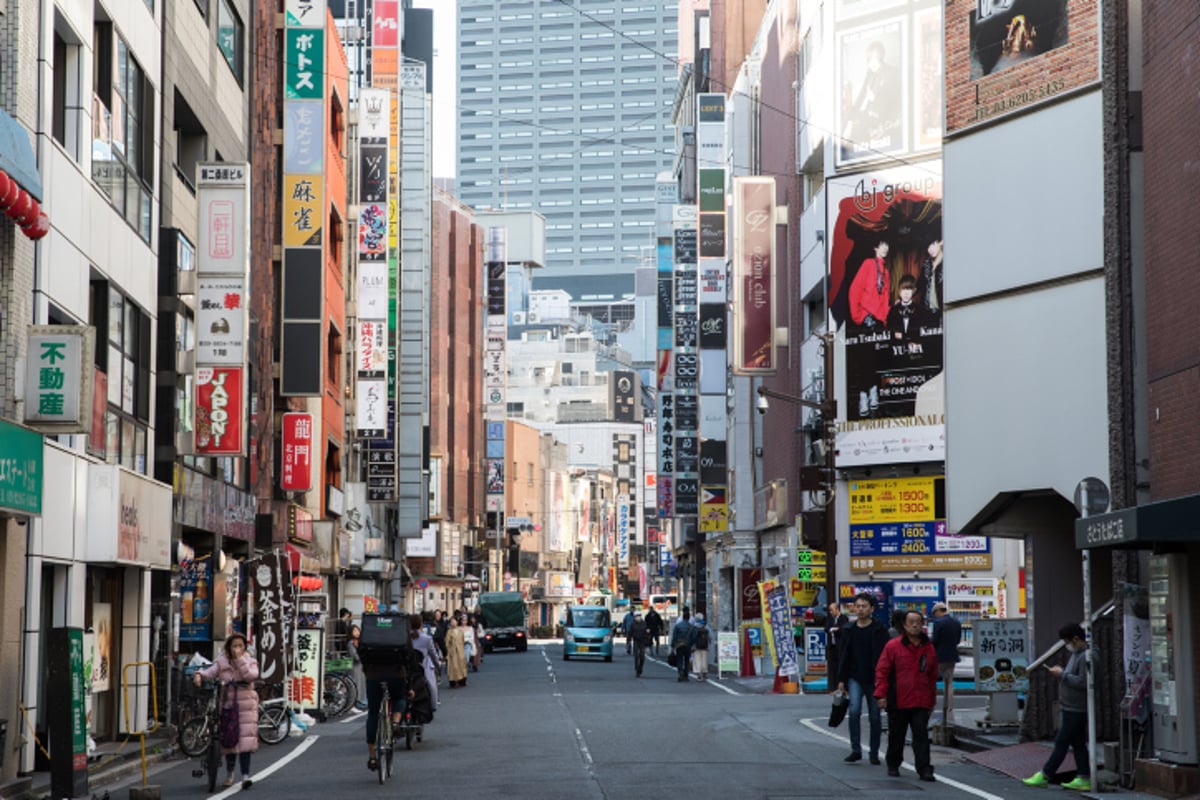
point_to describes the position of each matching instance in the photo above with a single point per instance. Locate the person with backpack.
(700, 651)
(654, 625)
(681, 643)
(626, 627)
(640, 634)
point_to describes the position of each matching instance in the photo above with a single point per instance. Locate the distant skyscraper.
(564, 108)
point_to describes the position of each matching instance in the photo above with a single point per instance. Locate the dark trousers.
(899, 721)
(684, 654)
(1072, 735)
(397, 691)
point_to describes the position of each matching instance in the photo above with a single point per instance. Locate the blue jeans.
(854, 713)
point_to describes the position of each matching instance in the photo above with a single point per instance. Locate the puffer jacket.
(245, 669)
(913, 667)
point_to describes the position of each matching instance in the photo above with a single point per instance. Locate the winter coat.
(244, 670)
(913, 668)
(1072, 690)
(424, 645)
(456, 655)
(654, 623)
(947, 632)
(639, 632)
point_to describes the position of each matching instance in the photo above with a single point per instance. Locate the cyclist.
(394, 672)
(639, 632)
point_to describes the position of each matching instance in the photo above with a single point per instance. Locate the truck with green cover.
(503, 621)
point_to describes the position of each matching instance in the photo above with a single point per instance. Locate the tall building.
(565, 111)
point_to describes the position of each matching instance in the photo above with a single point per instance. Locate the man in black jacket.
(654, 625)
(947, 633)
(859, 646)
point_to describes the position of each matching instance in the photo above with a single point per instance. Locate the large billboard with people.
(886, 283)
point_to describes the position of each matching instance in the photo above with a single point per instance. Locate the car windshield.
(587, 618)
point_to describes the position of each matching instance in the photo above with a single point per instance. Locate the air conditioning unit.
(518, 318)
(532, 317)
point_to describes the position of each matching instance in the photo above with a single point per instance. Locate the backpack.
(702, 639)
(683, 635)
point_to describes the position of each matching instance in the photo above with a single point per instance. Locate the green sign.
(304, 64)
(712, 190)
(21, 469)
(78, 715)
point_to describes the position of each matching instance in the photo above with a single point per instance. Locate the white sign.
(424, 546)
(221, 321)
(374, 109)
(58, 378)
(372, 290)
(224, 219)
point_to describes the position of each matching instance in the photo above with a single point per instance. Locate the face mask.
(1070, 647)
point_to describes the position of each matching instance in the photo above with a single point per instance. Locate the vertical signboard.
(269, 579)
(58, 378)
(495, 367)
(296, 462)
(754, 275)
(302, 350)
(886, 279)
(371, 342)
(685, 356)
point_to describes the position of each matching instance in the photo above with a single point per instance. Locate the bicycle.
(339, 695)
(274, 720)
(384, 740)
(198, 737)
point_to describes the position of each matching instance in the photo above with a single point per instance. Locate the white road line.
(549, 667)
(583, 748)
(815, 725)
(710, 682)
(278, 765)
(355, 713)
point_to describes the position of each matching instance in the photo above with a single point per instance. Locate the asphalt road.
(529, 725)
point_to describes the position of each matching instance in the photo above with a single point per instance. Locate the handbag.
(838, 712)
(228, 726)
(673, 659)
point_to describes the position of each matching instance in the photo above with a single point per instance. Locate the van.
(588, 632)
(667, 606)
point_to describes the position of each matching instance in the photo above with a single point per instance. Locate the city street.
(529, 725)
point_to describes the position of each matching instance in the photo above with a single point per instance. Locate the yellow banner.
(303, 204)
(764, 589)
(892, 500)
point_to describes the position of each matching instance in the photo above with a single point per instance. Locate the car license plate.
(584, 648)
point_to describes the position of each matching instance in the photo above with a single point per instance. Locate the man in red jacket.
(906, 685)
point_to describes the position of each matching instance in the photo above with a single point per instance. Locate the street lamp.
(819, 527)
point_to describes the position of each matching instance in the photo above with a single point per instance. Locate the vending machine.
(1170, 659)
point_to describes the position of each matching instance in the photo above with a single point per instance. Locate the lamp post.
(822, 478)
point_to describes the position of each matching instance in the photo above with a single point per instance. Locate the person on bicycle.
(639, 632)
(394, 675)
(237, 671)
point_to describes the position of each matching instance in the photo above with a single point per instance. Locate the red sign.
(754, 270)
(386, 25)
(220, 411)
(296, 474)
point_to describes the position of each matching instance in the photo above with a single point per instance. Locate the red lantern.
(10, 194)
(39, 228)
(30, 216)
(20, 206)
(5, 182)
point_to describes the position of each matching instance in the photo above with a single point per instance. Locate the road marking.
(814, 725)
(278, 765)
(549, 667)
(355, 713)
(716, 683)
(583, 748)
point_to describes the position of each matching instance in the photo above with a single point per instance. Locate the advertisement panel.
(304, 137)
(220, 411)
(1001, 655)
(778, 628)
(58, 378)
(195, 582)
(308, 670)
(224, 217)
(871, 63)
(898, 525)
(303, 219)
(304, 63)
(714, 509)
(221, 320)
(21, 469)
(886, 277)
(754, 275)
(296, 463)
(1007, 56)
(711, 280)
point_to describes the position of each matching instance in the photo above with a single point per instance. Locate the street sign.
(812, 574)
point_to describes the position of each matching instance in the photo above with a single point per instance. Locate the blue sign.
(787, 661)
(880, 590)
(814, 649)
(911, 539)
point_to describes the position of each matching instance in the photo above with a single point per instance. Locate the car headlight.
(569, 637)
(608, 637)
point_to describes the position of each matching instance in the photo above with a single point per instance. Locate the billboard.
(1004, 56)
(886, 280)
(220, 404)
(297, 454)
(754, 275)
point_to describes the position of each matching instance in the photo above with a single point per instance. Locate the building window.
(123, 357)
(123, 130)
(68, 98)
(231, 37)
(191, 142)
(333, 355)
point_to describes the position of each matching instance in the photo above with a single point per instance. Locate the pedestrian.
(456, 654)
(356, 669)
(835, 620)
(1072, 700)
(700, 648)
(654, 626)
(640, 633)
(341, 631)
(480, 637)
(860, 645)
(626, 626)
(423, 644)
(681, 643)
(897, 623)
(237, 670)
(440, 626)
(946, 634)
(906, 685)
(468, 629)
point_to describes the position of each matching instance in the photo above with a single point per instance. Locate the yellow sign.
(714, 516)
(303, 207)
(811, 574)
(892, 500)
(764, 589)
(804, 594)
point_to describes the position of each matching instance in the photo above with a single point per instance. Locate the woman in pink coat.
(237, 670)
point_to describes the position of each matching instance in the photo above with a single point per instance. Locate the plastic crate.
(339, 664)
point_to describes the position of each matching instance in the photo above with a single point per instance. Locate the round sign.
(423, 584)
(1091, 497)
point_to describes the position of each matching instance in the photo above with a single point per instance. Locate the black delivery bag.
(384, 644)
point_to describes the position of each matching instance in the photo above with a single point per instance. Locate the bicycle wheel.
(339, 694)
(274, 723)
(213, 763)
(383, 741)
(194, 736)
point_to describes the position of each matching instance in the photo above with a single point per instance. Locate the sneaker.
(875, 760)
(247, 783)
(852, 758)
(1079, 784)
(1037, 779)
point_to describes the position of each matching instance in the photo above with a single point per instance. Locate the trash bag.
(838, 712)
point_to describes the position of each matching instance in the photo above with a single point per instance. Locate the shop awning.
(1174, 521)
(20, 186)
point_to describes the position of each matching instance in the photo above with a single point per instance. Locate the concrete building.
(561, 112)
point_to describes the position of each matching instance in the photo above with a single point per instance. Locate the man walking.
(626, 626)
(947, 633)
(654, 624)
(681, 643)
(640, 634)
(1072, 701)
(906, 685)
(859, 647)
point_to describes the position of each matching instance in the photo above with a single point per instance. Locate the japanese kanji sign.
(302, 207)
(21, 469)
(1001, 655)
(270, 636)
(304, 64)
(221, 321)
(224, 218)
(58, 378)
(297, 452)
